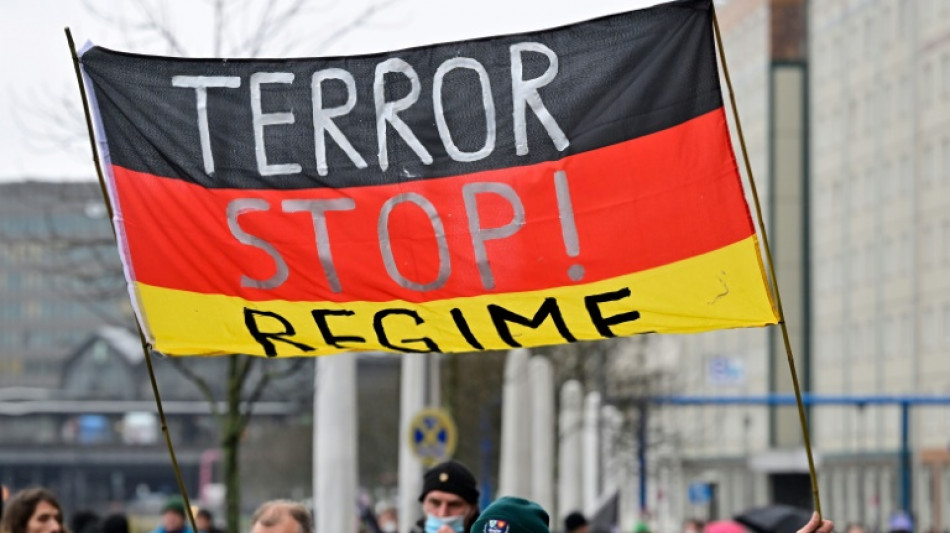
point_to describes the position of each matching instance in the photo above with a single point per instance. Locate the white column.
(412, 399)
(435, 380)
(610, 424)
(591, 461)
(335, 443)
(542, 433)
(514, 478)
(629, 503)
(570, 450)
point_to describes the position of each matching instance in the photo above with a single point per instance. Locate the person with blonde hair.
(282, 516)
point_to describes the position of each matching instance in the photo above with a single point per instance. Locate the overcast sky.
(42, 135)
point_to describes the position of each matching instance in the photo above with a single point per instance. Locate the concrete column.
(515, 476)
(335, 444)
(570, 496)
(611, 420)
(591, 451)
(542, 432)
(412, 400)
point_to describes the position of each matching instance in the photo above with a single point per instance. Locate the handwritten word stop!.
(320, 210)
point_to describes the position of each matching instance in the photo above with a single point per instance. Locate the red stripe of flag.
(639, 204)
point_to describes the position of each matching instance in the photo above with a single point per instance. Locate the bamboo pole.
(145, 347)
(773, 280)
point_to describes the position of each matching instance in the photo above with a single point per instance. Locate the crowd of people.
(449, 501)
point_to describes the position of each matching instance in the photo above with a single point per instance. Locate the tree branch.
(265, 379)
(161, 28)
(359, 20)
(202, 385)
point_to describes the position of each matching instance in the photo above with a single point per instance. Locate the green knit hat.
(512, 515)
(174, 504)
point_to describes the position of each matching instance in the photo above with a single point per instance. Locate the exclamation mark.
(568, 227)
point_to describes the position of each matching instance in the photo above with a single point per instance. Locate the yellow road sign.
(432, 436)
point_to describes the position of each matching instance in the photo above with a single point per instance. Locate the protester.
(84, 521)
(693, 525)
(4, 494)
(32, 511)
(387, 517)
(854, 527)
(204, 520)
(576, 523)
(900, 523)
(282, 516)
(115, 523)
(449, 499)
(173, 517)
(817, 526)
(514, 515)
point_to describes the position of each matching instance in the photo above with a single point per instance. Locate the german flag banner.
(563, 185)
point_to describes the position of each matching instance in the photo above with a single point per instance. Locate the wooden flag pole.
(146, 349)
(774, 281)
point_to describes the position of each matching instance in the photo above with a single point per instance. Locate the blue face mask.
(433, 523)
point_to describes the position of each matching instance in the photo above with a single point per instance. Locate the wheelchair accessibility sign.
(432, 436)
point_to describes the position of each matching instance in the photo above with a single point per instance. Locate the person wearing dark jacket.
(115, 523)
(205, 522)
(85, 521)
(449, 499)
(576, 523)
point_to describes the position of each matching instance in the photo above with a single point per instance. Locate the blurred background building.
(845, 106)
(76, 407)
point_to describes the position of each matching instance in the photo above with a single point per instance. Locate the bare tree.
(88, 266)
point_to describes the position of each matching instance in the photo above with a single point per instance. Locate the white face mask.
(388, 527)
(433, 523)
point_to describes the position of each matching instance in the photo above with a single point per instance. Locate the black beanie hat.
(574, 521)
(512, 515)
(451, 477)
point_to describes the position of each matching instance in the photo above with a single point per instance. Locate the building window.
(926, 86)
(907, 333)
(929, 252)
(890, 336)
(905, 175)
(885, 99)
(909, 98)
(945, 76)
(944, 169)
(945, 248)
(890, 259)
(930, 328)
(857, 266)
(927, 166)
(906, 255)
(890, 180)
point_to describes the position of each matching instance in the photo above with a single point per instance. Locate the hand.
(813, 525)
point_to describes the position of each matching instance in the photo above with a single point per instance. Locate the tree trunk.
(231, 446)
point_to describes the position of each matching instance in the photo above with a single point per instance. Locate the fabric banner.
(563, 185)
